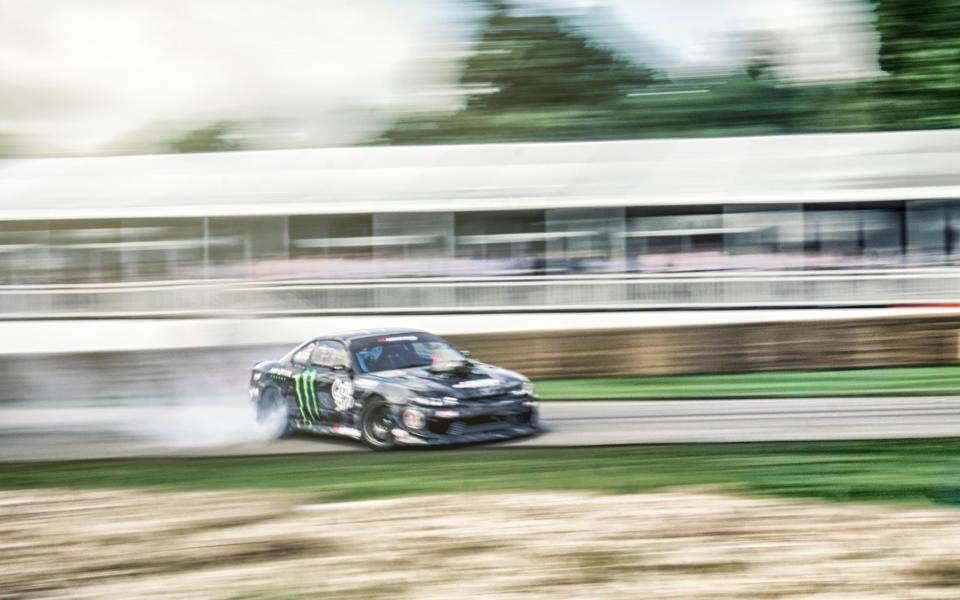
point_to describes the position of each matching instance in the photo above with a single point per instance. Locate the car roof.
(346, 336)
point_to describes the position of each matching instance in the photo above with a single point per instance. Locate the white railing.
(580, 293)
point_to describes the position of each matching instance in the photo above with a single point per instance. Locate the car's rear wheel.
(273, 412)
(378, 426)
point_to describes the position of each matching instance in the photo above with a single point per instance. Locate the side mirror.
(342, 368)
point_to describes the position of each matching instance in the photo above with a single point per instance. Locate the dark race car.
(392, 387)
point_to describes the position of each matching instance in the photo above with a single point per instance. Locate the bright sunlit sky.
(91, 75)
(821, 39)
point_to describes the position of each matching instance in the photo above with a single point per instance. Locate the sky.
(82, 76)
(823, 39)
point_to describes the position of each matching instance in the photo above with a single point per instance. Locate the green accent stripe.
(305, 382)
(304, 378)
(296, 387)
(302, 394)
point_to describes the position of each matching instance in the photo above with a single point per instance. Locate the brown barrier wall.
(198, 373)
(737, 348)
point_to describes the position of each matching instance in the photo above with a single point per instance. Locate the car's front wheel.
(273, 412)
(378, 426)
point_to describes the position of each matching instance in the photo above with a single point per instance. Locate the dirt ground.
(684, 544)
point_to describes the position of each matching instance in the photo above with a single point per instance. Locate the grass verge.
(915, 471)
(917, 381)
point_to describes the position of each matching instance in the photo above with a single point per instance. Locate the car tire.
(270, 403)
(376, 426)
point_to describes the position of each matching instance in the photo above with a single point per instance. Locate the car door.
(331, 380)
(301, 390)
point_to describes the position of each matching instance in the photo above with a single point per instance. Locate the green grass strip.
(854, 382)
(912, 471)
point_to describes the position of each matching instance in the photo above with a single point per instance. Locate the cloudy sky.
(833, 37)
(86, 75)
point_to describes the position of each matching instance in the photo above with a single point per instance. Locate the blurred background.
(469, 139)
(210, 175)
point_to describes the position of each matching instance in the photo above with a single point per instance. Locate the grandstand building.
(796, 220)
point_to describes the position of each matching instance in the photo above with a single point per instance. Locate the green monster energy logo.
(305, 386)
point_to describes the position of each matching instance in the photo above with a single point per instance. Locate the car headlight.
(424, 401)
(414, 419)
(525, 389)
(257, 375)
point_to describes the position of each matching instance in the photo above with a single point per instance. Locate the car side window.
(302, 356)
(329, 354)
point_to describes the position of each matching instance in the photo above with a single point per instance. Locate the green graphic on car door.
(304, 384)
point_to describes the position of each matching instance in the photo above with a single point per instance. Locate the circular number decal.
(342, 392)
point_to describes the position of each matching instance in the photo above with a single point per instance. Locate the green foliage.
(535, 61)
(535, 78)
(212, 138)
(920, 51)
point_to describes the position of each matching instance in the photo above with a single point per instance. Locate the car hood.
(472, 380)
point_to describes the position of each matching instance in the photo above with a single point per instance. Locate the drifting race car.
(392, 387)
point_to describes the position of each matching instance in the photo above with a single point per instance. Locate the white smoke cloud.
(77, 75)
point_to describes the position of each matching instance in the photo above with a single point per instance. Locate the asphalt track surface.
(52, 433)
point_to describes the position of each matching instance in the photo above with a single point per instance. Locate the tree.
(920, 52)
(212, 138)
(532, 77)
(536, 77)
(539, 61)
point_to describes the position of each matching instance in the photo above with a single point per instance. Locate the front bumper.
(404, 438)
(469, 423)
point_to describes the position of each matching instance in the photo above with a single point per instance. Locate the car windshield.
(402, 351)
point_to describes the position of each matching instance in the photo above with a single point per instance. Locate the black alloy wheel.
(378, 424)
